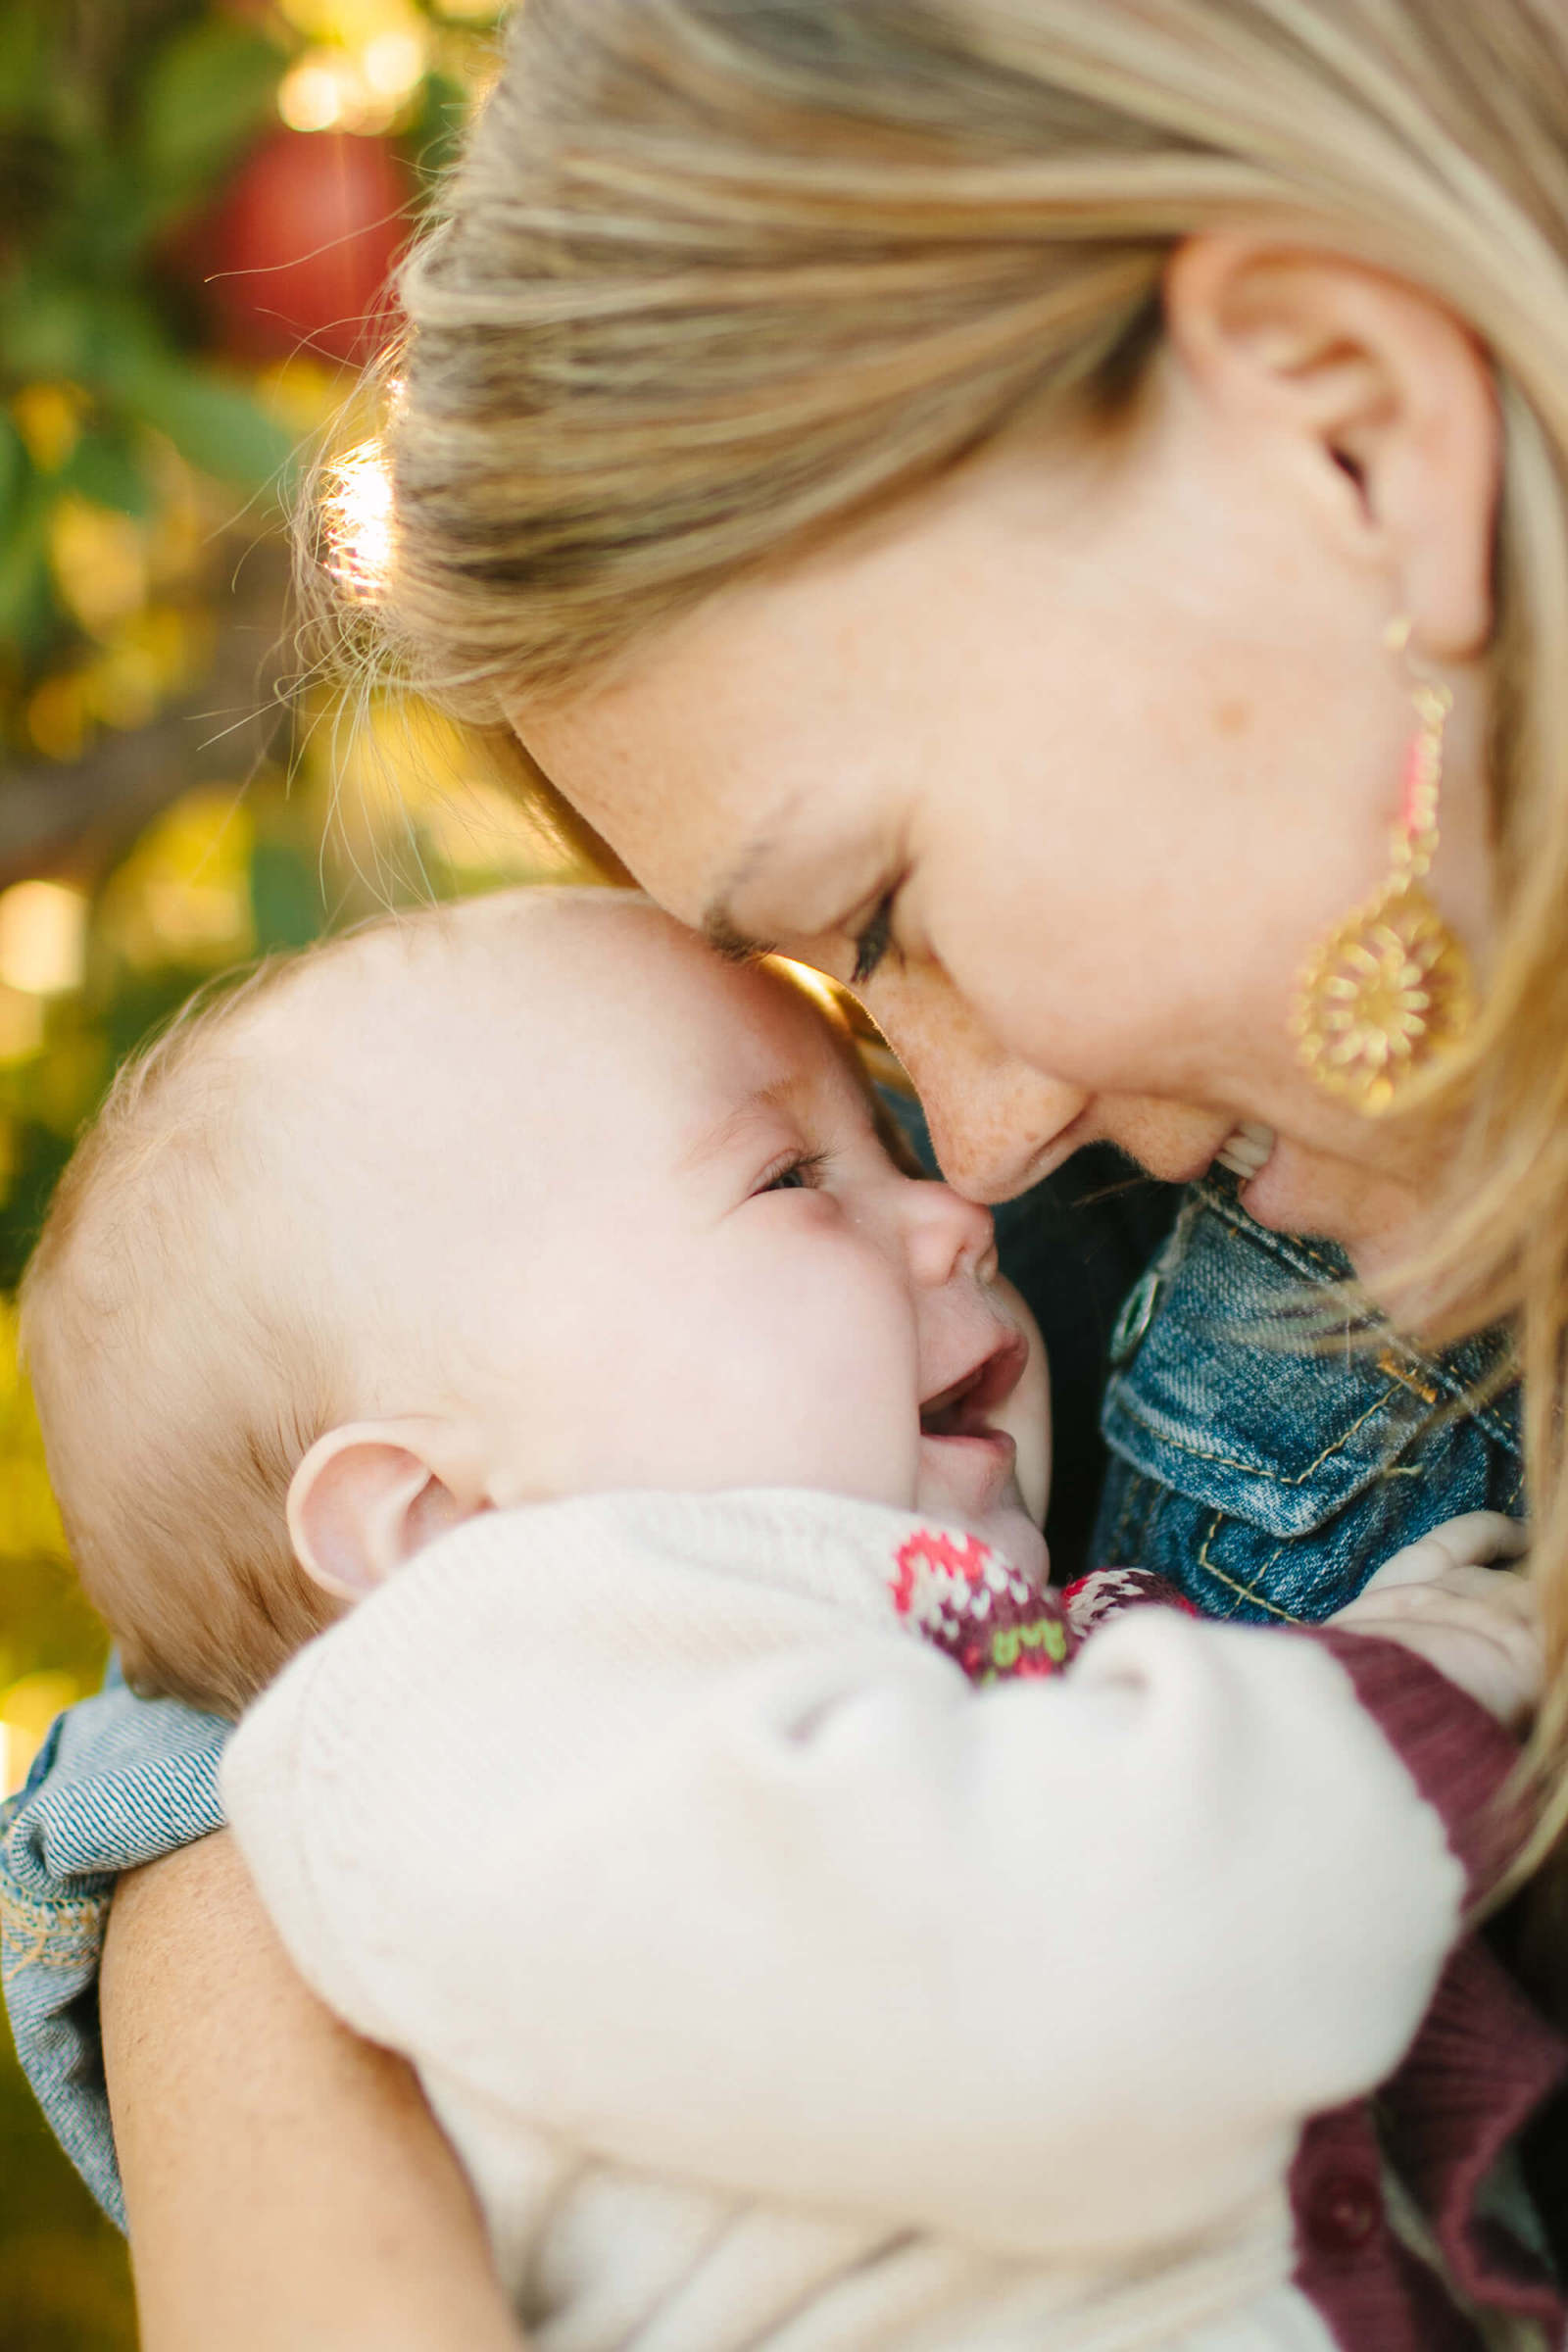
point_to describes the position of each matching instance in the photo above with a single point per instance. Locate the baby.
(807, 1936)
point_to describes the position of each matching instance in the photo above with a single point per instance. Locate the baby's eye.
(799, 1173)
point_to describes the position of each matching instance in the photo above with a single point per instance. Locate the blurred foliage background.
(199, 201)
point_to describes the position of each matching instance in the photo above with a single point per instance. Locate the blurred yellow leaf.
(27, 1710)
(180, 531)
(389, 760)
(62, 1083)
(99, 560)
(49, 417)
(60, 717)
(29, 1523)
(20, 1027)
(484, 835)
(355, 24)
(301, 392)
(184, 893)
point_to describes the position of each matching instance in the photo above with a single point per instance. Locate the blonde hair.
(713, 278)
(178, 1387)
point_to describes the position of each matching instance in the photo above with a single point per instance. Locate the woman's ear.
(371, 1495)
(1385, 396)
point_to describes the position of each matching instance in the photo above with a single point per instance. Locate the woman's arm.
(286, 2183)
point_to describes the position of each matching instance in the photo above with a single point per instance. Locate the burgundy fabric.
(1484, 2062)
(1458, 1756)
(1370, 2291)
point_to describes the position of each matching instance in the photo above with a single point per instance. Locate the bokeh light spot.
(43, 938)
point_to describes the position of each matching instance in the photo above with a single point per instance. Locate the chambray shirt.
(1265, 1483)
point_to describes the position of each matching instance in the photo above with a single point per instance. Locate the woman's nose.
(991, 1118)
(992, 1148)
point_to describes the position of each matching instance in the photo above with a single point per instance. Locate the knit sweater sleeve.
(608, 1818)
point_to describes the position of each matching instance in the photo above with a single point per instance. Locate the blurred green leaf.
(47, 328)
(40, 1158)
(15, 470)
(27, 588)
(285, 896)
(105, 468)
(207, 91)
(437, 132)
(24, 62)
(215, 424)
(52, 329)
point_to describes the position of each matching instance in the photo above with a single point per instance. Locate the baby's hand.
(1477, 1625)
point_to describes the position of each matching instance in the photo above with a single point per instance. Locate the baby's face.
(618, 1215)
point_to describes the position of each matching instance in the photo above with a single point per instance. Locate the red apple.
(303, 242)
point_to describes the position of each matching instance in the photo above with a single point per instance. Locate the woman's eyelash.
(874, 942)
(796, 1173)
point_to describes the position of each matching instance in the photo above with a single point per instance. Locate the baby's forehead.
(455, 965)
(441, 1115)
(544, 990)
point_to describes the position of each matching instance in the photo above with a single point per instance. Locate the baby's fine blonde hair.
(716, 275)
(179, 1381)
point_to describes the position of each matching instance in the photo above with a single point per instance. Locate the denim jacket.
(1270, 1494)
(1269, 1481)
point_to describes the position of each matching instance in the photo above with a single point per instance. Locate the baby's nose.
(948, 1236)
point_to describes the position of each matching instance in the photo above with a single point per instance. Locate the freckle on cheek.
(1232, 717)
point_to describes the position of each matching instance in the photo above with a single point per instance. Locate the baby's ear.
(371, 1495)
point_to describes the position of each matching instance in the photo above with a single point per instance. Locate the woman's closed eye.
(874, 940)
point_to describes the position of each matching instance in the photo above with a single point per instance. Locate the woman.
(1016, 505)
(986, 497)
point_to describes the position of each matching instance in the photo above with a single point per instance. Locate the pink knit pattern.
(975, 1607)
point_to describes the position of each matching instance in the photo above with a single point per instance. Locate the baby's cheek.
(854, 1392)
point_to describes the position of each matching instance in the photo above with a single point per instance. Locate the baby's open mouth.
(963, 1409)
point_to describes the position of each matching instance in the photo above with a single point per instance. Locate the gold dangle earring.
(1389, 991)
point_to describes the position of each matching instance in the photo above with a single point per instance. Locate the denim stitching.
(1289, 1253)
(1228, 1461)
(1229, 1582)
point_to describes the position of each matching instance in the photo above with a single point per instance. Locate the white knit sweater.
(781, 1989)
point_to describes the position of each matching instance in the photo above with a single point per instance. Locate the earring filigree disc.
(1382, 998)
